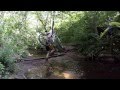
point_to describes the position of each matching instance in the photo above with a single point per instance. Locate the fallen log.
(43, 58)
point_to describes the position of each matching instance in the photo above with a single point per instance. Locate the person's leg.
(47, 56)
(48, 53)
(52, 51)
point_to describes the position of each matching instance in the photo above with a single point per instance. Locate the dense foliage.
(83, 31)
(19, 31)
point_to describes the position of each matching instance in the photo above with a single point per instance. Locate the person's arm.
(52, 27)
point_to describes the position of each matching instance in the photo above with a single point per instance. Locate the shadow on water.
(99, 70)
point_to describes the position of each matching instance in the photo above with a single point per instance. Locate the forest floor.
(70, 65)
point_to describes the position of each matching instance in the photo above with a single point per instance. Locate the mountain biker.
(49, 44)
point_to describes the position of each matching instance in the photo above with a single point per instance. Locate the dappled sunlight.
(63, 75)
(70, 75)
(67, 75)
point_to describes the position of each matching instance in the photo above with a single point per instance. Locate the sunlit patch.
(70, 75)
(67, 75)
(30, 54)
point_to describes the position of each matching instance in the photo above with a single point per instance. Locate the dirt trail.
(38, 69)
(71, 65)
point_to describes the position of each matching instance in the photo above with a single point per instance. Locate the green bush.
(2, 68)
(6, 57)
